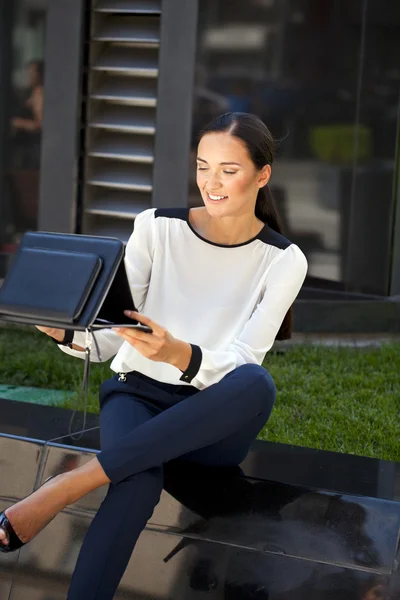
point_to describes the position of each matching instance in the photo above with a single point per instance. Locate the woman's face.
(227, 177)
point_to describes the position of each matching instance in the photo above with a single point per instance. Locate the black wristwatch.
(68, 337)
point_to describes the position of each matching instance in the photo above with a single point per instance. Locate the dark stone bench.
(289, 523)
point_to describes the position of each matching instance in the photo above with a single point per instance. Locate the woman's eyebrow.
(222, 163)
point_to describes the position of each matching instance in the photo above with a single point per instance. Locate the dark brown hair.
(261, 148)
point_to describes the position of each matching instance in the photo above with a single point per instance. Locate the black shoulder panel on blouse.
(172, 213)
(273, 238)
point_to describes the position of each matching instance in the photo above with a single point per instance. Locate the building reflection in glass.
(324, 76)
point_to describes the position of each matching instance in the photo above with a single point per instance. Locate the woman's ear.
(264, 176)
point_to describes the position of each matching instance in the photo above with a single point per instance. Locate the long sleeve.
(107, 340)
(138, 264)
(285, 277)
(139, 256)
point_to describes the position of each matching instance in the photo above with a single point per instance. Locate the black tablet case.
(67, 281)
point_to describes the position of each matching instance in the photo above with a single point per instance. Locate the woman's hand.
(25, 124)
(57, 334)
(159, 346)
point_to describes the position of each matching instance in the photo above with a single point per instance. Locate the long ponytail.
(267, 211)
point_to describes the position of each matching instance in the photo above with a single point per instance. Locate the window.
(325, 78)
(21, 108)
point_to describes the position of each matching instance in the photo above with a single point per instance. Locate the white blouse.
(227, 301)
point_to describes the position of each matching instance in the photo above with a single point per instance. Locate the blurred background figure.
(26, 123)
(22, 48)
(25, 128)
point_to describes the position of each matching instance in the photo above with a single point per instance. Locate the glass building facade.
(325, 78)
(323, 75)
(22, 37)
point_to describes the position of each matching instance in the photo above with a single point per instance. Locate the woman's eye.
(227, 172)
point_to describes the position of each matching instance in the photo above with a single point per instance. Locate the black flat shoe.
(14, 543)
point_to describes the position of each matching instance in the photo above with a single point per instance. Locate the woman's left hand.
(16, 122)
(159, 346)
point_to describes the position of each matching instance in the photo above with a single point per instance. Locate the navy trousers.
(145, 423)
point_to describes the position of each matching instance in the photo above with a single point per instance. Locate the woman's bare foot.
(29, 516)
(32, 514)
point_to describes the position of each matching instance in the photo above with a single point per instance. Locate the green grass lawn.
(340, 399)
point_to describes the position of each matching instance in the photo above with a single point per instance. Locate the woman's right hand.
(57, 334)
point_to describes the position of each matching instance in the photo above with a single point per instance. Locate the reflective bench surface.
(288, 523)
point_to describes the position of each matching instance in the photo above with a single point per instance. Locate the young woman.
(217, 283)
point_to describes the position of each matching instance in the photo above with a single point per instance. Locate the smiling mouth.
(216, 198)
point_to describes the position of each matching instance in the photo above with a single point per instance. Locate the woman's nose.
(214, 182)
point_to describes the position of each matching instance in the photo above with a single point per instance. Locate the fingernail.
(116, 329)
(127, 312)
